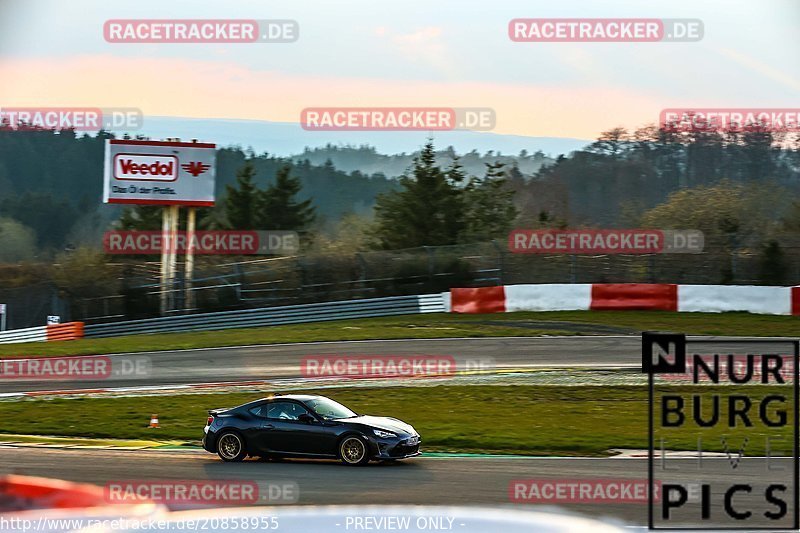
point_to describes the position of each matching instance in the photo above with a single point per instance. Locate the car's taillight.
(210, 420)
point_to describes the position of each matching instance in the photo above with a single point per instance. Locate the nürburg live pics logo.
(723, 433)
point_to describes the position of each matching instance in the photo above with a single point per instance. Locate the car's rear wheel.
(230, 447)
(353, 450)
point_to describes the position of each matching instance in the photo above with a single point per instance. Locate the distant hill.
(367, 160)
(289, 139)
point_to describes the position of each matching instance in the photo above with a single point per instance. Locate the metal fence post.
(431, 251)
(572, 268)
(500, 262)
(237, 269)
(362, 272)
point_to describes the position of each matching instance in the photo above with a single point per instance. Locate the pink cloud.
(218, 89)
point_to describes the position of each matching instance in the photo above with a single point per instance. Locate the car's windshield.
(330, 410)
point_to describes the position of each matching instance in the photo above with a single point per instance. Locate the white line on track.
(580, 338)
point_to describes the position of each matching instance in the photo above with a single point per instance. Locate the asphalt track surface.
(267, 362)
(461, 481)
(465, 481)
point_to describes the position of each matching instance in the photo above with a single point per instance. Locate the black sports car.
(306, 426)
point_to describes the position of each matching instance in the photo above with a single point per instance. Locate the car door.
(294, 435)
(278, 427)
(314, 435)
(260, 434)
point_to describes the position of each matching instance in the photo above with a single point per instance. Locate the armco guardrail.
(291, 314)
(53, 332)
(35, 334)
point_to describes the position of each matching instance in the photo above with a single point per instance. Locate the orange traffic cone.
(153, 421)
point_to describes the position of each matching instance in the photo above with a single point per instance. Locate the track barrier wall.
(630, 296)
(494, 299)
(796, 300)
(721, 298)
(634, 296)
(548, 297)
(478, 300)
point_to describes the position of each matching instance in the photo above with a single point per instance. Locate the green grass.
(411, 326)
(526, 420)
(731, 323)
(427, 326)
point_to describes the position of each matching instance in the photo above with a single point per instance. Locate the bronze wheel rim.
(230, 446)
(353, 450)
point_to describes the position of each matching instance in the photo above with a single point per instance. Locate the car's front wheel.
(230, 447)
(353, 450)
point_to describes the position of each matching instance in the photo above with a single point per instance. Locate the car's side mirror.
(307, 418)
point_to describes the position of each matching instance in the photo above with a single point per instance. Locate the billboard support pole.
(191, 221)
(165, 225)
(173, 255)
(169, 246)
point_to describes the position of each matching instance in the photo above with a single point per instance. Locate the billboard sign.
(159, 173)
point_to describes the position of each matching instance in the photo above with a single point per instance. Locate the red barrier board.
(478, 300)
(634, 296)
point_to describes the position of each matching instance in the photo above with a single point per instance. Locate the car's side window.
(259, 411)
(285, 411)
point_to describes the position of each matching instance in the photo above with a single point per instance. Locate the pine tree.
(773, 264)
(279, 208)
(242, 203)
(427, 210)
(489, 206)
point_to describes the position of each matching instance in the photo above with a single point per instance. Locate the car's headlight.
(383, 434)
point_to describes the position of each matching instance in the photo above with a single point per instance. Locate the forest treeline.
(739, 186)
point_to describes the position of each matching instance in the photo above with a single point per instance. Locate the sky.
(453, 53)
